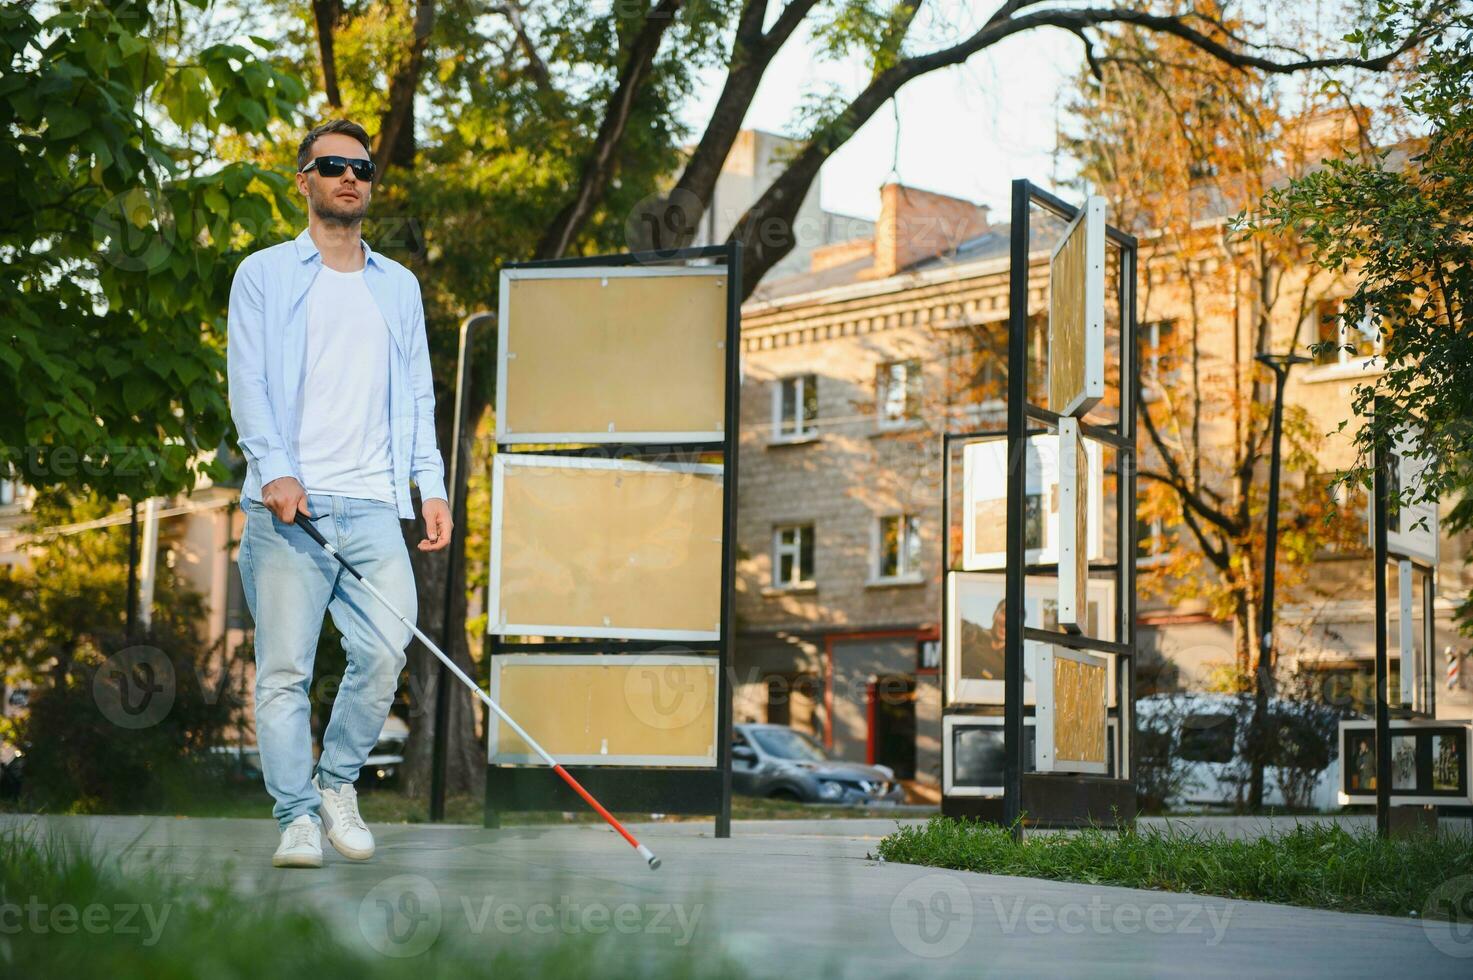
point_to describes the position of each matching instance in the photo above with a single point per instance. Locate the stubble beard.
(326, 208)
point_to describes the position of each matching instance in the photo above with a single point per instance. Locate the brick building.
(851, 372)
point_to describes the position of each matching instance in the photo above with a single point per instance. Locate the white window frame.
(781, 549)
(877, 552)
(805, 428)
(1345, 362)
(996, 369)
(1342, 495)
(883, 379)
(1151, 382)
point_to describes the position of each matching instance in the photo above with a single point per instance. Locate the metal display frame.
(1422, 730)
(992, 795)
(1059, 799)
(647, 789)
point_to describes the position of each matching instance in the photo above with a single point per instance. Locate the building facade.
(852, 372)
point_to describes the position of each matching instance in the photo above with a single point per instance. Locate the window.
(1158, 357)
(899, 548)
(898, 392)
(792, 556)
(1150, 539)
(794, 407)
(1351, 342)
(979, 367)
(1208, 737)
(1347, 533)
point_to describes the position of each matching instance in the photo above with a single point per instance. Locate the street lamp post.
(1280, 365)
(459, 450)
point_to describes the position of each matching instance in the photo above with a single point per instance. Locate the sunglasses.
(334, 167)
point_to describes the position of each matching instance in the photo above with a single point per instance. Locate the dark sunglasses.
(334, 167)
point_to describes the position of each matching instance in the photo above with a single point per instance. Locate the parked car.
(242, 762)
(380, 768)
(781, 763)
(384, 762)
(1196, 745)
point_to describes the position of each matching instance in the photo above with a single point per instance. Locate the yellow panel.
(615, 354)
(609, 551)
(611, 710)
(1079, 711)
(1066, 323)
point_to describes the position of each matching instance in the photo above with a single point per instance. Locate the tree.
(1397, 219)
(504, 130)
(119, 238)
(537, 129)
(62, 627)
(1209, 301)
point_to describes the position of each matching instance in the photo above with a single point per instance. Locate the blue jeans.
(289, 583)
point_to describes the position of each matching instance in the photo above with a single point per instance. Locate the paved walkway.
(782, 898)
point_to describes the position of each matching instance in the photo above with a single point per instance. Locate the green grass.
(1315, 865)
(69, 912)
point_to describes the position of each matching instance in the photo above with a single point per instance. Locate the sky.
(965, 131)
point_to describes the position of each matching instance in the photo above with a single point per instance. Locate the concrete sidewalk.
(784, 898)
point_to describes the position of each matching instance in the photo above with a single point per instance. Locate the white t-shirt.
(343, 442)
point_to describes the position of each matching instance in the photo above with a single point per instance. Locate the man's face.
(339, 200)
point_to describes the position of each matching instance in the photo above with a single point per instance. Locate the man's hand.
(285, 498)
(436, 513)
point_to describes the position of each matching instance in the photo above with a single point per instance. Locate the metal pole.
(1264, 674)
(457, 551)
(1280, 364)
(730, 449)
(1383, 713)
(131, 617)
(1012, 727)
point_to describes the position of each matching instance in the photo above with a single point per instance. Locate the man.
(331, 393)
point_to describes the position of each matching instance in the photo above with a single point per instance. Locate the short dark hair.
(345, 126)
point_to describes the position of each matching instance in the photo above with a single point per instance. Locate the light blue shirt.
(266, 358)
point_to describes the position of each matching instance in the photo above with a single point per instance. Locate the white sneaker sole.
(296, 860)
(351, 853)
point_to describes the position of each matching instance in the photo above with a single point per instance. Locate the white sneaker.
(301, 845)
(345, 828)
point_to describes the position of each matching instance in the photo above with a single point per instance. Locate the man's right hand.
(285, 498)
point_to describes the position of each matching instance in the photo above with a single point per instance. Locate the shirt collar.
(307, 249)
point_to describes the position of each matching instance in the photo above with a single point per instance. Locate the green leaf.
(217, 202)
(139, 391)
(63, 122)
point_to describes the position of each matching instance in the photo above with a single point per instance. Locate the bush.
(128, 731)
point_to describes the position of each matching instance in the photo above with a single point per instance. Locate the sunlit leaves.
(119, 243)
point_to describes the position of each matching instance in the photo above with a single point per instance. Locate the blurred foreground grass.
(70, 912)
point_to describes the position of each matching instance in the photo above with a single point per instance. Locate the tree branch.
(512, 11)
(402, 87)
(598, 167)
(326, 14)
(767, 227)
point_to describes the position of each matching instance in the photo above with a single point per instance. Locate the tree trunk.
(464, 763)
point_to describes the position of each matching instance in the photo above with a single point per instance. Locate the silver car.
(780, 763)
